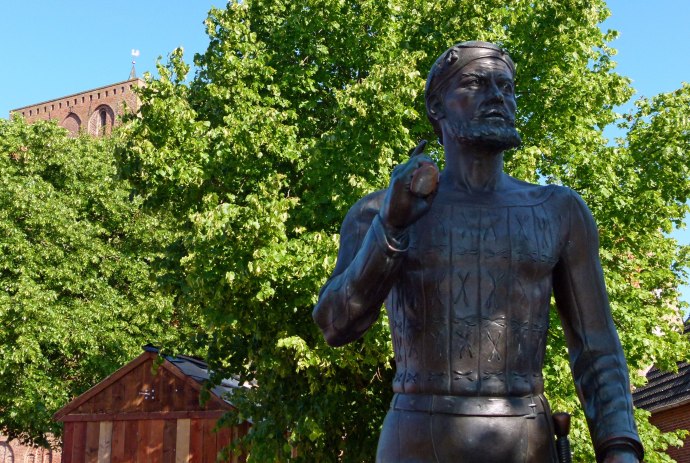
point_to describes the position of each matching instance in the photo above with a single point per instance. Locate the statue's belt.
(470, 406)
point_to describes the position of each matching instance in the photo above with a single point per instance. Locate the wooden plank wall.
(141, 391)
(147, 441)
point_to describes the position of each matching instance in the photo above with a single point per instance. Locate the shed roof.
(198, 370)
(186, 373)
(665, 389)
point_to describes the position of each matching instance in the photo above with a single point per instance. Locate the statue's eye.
(471, 82)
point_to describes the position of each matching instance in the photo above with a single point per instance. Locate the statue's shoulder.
(370, 204)
(535, 193)
(364, 210)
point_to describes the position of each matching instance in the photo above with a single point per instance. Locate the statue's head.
(484, 73)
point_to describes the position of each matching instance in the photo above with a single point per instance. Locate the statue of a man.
(466, 270)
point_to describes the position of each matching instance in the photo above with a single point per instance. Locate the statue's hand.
(412, 188)
(621, 456)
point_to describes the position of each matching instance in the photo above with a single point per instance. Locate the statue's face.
(482, 90)
(479, 105)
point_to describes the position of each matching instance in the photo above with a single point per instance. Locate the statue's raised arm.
(373, 242)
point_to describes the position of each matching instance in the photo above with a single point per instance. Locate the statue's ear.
(435, 107)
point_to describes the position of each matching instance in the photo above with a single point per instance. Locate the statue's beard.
(493, 134)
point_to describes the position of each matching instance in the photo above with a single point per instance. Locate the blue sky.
(657, 29)
(51, 49)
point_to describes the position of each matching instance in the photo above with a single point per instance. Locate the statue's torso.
(470, 311)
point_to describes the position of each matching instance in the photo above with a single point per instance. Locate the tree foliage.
(78, 297)
(298, 109)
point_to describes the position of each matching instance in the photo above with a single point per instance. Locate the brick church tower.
(93, 111)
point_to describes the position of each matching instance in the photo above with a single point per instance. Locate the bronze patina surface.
(466, 264)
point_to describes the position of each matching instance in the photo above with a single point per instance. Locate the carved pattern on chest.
(481, 284)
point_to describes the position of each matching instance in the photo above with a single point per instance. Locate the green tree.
(299, 109)
(78, 297)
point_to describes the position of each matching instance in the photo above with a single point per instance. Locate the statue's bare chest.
(476, 285)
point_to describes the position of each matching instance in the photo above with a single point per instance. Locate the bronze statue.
(466, 267)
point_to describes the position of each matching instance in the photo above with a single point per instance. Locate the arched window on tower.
(104, 121)
(73, 124)
(101, 121)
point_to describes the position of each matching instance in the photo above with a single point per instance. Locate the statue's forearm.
(351, 300)
(622, 451)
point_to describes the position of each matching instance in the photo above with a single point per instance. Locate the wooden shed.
(138, 415)
(667, 396)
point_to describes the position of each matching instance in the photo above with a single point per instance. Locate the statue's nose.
(495, 93)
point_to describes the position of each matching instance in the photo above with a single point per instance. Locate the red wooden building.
(667, 396)
(143, 413)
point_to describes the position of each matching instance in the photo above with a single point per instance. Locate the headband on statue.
(457, 57)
